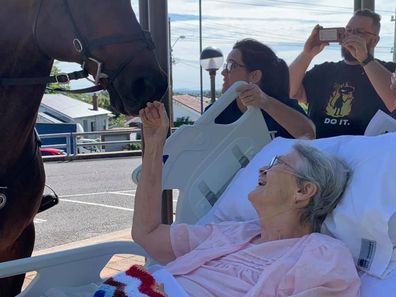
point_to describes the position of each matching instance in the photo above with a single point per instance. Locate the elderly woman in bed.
(280, 254)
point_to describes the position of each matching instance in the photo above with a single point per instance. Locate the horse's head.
(105, 37)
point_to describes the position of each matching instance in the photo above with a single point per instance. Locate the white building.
(187, 106)
(58, 108)
(184, 106)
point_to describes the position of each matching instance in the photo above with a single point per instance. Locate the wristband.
(367, 60)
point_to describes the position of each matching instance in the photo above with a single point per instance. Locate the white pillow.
(363, 218)
(375, 287)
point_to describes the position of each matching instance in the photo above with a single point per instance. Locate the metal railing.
(75, 143)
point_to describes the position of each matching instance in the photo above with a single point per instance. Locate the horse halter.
(84, 48)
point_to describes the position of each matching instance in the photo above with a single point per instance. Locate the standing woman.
(268, 89)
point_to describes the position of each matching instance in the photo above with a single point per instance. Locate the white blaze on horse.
(106, 39)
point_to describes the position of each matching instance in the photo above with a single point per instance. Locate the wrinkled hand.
(393, 81)
(251, 95)
(155, 122)
(313, 45)
(356, 45)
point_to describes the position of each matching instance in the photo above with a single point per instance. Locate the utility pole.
(362, 4)
(200, 51)
(369, 4)
(143, 14)
(393, 19)
(153, 15)
(170, 76)
(357, 4)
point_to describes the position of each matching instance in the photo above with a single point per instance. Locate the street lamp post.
(211, 60)
(177, 39)
(170, 77)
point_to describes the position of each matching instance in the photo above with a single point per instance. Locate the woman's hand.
(294, 122)
(155, 122)
(251, 95)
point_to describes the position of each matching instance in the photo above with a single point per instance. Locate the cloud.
(284, 25)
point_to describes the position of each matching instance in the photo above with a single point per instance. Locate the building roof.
(188, 101)
(71, 107)
(191, 102)
(44, 117)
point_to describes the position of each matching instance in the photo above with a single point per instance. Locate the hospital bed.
(213, 166)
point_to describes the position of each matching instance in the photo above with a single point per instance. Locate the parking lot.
(96, 198)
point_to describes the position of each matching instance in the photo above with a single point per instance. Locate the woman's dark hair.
(275, 73)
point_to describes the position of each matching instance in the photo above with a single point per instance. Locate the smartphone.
(331, 34)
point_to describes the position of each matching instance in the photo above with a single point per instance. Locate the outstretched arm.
(299, 66)
(379, 77)
(147, 229)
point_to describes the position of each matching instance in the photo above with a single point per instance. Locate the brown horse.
(106, 39)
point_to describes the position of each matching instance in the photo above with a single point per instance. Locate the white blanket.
(81, 291)
(162, 276)
(171, 286)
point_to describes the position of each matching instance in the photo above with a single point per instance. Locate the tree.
(182, 121)
(117, 121)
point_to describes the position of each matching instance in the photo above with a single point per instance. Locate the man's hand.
(251, 95)
(313, 45)
(356, 45)
(155, 122)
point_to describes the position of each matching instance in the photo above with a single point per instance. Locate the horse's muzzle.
(129, 98)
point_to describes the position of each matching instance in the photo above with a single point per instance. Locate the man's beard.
(347, 55)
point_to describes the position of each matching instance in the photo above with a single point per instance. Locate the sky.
(283, 25)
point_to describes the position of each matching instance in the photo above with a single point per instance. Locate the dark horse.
(106, 39)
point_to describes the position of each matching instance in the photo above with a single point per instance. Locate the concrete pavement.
(116, 264)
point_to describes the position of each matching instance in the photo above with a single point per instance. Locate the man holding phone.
(343, 96)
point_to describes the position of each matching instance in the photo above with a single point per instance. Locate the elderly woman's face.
(277, 186)
(235, 69)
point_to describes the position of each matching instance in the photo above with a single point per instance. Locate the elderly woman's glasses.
(229, 66)
(278, 161)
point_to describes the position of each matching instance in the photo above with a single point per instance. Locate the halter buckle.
(99, 74)
(3, 197)
(78, 45)
(62, 78)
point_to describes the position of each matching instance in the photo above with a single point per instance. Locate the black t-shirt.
(341, 99)
(232, 113)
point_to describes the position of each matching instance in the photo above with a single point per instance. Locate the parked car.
(49, 151)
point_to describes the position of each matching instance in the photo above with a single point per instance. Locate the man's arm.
(299, 66)
(380, 77)
(147, 229)
(297, 71)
